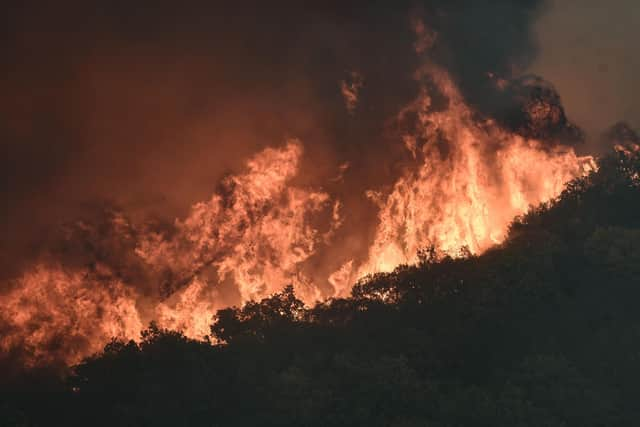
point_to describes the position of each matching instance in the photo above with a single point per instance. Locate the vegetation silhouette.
(543, 330)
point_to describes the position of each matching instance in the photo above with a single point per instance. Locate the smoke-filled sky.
(147, 106)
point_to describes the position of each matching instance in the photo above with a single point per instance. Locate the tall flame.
(256, 235)
(471, 178)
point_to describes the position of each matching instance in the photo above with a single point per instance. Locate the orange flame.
(470, 180)
(257, 238)
(53, 313)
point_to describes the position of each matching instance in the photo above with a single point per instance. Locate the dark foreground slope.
(542, 331)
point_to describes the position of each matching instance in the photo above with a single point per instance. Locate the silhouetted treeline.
(541, 331)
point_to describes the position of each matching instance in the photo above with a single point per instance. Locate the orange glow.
(467, 181)
(257, 237)
(468, 196)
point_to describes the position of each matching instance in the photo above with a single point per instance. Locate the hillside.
(541, 331)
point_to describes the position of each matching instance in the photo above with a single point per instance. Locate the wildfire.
(471, 178)
(468, 179)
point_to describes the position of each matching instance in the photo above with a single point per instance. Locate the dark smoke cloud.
(620, 134)
(146, 106)
(532, 107)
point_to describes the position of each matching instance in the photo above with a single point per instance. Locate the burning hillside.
(467, 179)
(461, 158)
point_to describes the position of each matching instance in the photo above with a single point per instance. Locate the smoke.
(620, 134)
(531, 106)
(588, 50)
(149, 107)
(140, 144)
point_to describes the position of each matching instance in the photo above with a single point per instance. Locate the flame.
(52, 312)
(256, 236)
(190, 310)
(467, 179)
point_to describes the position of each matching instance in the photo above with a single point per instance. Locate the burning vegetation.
(540, 330)
(373, 216)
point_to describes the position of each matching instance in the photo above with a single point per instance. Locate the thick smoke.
(531, 107)
(119, 117)
(620, 134)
